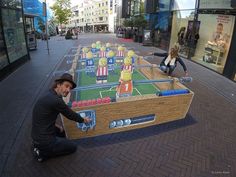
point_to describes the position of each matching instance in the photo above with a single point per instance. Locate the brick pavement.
(202, 145)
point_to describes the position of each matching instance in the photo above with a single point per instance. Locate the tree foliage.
(128, 23)
(139, 21)
(62, 11)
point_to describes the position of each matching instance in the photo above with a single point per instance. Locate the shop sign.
(215, 4)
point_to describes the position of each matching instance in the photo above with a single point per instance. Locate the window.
(14, 34)
(100, 18)
(3, 55)
(214, 39)
(206, 41)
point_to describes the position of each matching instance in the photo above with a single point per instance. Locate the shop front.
(216, 33)
(204, 30)
(12, 37)
(3, 54)
(160, 24)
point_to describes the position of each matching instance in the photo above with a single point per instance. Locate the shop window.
(206, 40)
(181, 29)
(161, 23)
(3, 56)
(14, 34)
(215, 34)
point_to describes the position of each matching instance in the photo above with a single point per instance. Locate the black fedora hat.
(67, 77)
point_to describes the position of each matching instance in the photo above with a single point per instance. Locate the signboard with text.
(215, 4)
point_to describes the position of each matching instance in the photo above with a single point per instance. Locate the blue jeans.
(165, 68)
(59, 146)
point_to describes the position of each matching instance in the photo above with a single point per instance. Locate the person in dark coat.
(47, 138)
(170, 60)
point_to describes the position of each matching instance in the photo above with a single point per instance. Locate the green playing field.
(85, 80)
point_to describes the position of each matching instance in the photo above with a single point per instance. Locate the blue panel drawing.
(111, 61)
(86, 126)
(132, 121)
(90, 62)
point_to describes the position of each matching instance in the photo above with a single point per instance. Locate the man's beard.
(65, 94)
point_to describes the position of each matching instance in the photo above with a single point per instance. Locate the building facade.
(204, 29)
(90, 16)
(13, 48)
(114, 18)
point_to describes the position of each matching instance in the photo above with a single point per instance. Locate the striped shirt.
(83, 55)
(120, 53)
(102, 71)
(102, 54)
(128, 67)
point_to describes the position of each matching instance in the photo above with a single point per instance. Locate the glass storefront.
(205, 40)
(203, 29)
(3, 55)
(13, 49)
(215, 33)
(161, 25)
(14, 34)
(181, 29)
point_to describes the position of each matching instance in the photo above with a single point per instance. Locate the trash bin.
(135, 38)
(140, 38)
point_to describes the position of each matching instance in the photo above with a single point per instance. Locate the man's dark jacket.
(45, 113)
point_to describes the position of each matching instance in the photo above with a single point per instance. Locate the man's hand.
(87, 120)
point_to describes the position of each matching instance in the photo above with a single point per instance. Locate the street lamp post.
(46, 22)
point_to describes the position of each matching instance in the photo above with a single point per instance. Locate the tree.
(62, 11)
(128, 23)
(139, 21)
